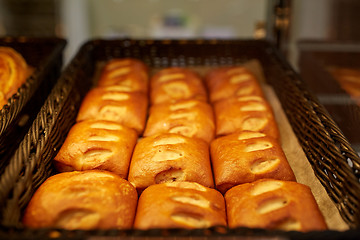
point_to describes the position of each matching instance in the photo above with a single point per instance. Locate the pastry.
(82, 200)
(13, 73)
(251, 113)
(180, 205)
(128, 74)
(97, 144)
(227, 82)
(107, 103)
(173, 84)
(170, 157)
(246, 157)
(190, 118)
(274, 204)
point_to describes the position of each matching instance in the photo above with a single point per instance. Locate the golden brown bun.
(249, 113)
(13, 73)
(83, 200)
(245, 157)
(226, 82)
(97, 144)
(190, 118)
(273, 204)
(180, 205)
(349, 80)
(130, 75)
(106, 103)
(170, 157)
(173, 84)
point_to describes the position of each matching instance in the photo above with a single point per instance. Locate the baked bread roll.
(273, 204)
(173, 84)
(170, 157)
(180, 205)
(97, 144)
(82, 200)
(13, 73)
(237, 81)
(107, 103)
(246, 157)
(249, 113)
(128, 74)
(190, 118)
(349, 80)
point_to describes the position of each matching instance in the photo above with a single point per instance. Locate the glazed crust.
(97, 144)
(13, 73)
(106, 103)
(246, 157)
(273, 204)
(76, 200)
(173, 84)
(227, 82)
(170, 157)
(130, 75)
(249, 113)
(190, 118)
(180, 205)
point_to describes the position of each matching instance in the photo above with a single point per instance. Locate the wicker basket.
(326, 148)
(45, 56)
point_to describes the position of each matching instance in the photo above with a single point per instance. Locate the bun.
(173, 84)
(251, 113)
(180, 205)
(97, 144)
(170, 157)
(82, 200)
(349, 80)
(190, 118)
(107, 103)
(246, 157)
(130, 75)
(273, 204)
(13, 73)
(227, 82)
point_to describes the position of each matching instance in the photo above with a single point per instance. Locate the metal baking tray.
(326, 148)
(45, 56)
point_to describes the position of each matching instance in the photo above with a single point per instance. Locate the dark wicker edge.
(29, 166)
(324, 157)
(16, 103)
(176, 234)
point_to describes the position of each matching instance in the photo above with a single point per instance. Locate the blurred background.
(285, 21)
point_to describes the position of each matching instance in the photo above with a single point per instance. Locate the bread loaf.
(128, 74)
(190, 118)
(82, 200)
(97, 144)
(173, 84)
(273, 204)
(236, 81)
(13, 73)
(248, 113)
(180, 205)
(170, 157)
(107, 103)
(245, 157)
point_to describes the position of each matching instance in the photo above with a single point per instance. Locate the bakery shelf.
(326, 148)
(45, 56)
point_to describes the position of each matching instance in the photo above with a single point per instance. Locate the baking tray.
(45, 56)
(326, 148)
(315, 58)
